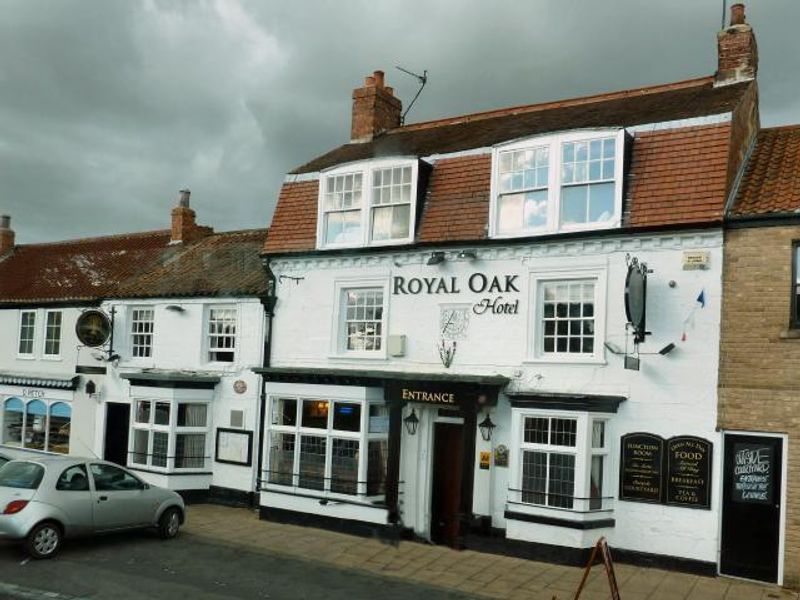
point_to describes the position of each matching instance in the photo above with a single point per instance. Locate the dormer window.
(368, 204)
(557, 183)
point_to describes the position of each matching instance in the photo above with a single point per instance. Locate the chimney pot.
(737, 14)
(183, 199)
(5, 222)
(378, 77)
(6, 234)
(369, 81)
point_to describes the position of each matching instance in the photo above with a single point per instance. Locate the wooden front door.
(751, 507)
(447, 470)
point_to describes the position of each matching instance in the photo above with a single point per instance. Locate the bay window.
(169, 435)
(562, 460)
(557, 183)
(326, 446)
(371, 203)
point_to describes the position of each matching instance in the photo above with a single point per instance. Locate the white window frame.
(32, 353)
(172, 429)
(131, 311)
(363, 436)
(366, 168)
(583, 453)
(45, 331)
(535, 346)
(207, 335)
(554, 142)
(338, 339)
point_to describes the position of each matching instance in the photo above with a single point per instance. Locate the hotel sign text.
(477, 283)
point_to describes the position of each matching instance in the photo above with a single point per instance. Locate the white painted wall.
(670, 395)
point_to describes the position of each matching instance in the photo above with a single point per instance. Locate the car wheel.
(169, 523)
(44, 540)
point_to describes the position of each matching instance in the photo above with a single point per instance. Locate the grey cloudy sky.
(108, 107)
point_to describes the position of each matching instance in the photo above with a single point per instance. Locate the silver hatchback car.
(44, 500)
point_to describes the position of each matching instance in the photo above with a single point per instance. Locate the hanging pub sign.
(93, 328)
(689, 472)
(642, 458)
(636, 298)
(752, 473)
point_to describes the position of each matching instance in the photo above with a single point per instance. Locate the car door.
(120, 500)
(74, 497)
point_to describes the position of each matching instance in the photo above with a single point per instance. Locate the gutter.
(268, 302)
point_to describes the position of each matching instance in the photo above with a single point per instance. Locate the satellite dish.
(636, 299)
(93, 328)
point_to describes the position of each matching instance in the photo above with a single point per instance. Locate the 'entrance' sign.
(641, 466)
(689, 472)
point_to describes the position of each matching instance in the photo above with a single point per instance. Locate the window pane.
(601, 202)
(162, 413)
(536, 430)
(561, 480)
(596, 483)
(573, 204)
(52, 334)
(347, 416)
(12, 422)
(59, 428)
(284, 411)
(160, 445)
(141, 439)
(564, 432)
(344, 466)
(73, 479)
(281, 458)
(190, 451)
(312, 462)
(535, 210)
(377, 452)
(35, 422)
(192, 415)
(363, 323)
(21, 475)
(509, 213)
(567, 321)
(142, 332)
(598, 434)
(343, 227)
(315, 414)
(221, 334)
(27, 327)
(534, 477)
(108, 478)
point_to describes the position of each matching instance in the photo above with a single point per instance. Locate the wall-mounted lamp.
(487, 427)
(467, 255)
(436, 258)
(412, 422)
(90, 387)
(176, 308)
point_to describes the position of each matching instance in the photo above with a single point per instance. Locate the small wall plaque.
(486, 458)
(694, 260)
(240, 386)
(501, 456)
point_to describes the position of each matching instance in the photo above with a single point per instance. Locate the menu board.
(642, 457)
(689, 472)
(753, 469)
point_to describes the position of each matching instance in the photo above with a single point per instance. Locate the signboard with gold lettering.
(442, 394)
(642, 457)
(689, 472)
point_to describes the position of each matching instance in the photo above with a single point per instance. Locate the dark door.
(118, 418)
(751, 507)
(447, 466)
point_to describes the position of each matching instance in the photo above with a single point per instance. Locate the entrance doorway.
(118, 417)
(447, 470)
(751, 507)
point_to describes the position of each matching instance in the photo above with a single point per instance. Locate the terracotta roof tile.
(132, 265)
(771, 182)
(294, 223)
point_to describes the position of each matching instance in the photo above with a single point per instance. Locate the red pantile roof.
(771, 181)
(133, 265)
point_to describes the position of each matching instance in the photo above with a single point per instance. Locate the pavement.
(475, 574)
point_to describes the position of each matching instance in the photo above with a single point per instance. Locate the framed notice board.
(234, 446)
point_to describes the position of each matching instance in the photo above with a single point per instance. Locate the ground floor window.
(327, 445)
(37, 424)
(562, 460)
(169, 435)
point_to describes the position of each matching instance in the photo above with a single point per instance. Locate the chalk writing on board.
(752, 473)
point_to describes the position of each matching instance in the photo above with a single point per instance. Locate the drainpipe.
(268, 302)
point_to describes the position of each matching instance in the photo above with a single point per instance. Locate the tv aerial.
(423, 79)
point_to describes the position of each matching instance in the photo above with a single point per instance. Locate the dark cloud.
(108, 107)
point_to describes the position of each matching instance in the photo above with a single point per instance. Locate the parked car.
(46, 499)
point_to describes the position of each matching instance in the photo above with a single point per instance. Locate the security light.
(436, 258)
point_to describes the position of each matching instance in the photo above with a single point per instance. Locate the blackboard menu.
(689, 472)
(753, 470)
(642, 457)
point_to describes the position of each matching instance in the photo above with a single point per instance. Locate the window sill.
(538, 360)
(790, 334)
(26, 357)
(359, 356)
(53, 358)
(599, 523)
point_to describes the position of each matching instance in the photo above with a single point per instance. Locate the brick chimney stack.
(6, 234)
(184, 227)
(375, 109)
(737, 50)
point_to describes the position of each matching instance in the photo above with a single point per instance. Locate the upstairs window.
(794, 321)
(368, 204)
(52, 333)
(27, 331)
(558, 183)
(221, 334)
(363, 319)
(142, 332)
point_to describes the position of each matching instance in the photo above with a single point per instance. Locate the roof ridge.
(795, 126)
(574, 101)
(250, 230)
(99, 238)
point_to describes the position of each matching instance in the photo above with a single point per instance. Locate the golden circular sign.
(93, 328)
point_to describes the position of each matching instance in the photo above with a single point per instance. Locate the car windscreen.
(22, 475)
(3, 460)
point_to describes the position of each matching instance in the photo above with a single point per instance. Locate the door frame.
(782, 519)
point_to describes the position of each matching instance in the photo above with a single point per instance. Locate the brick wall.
(759, 365)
